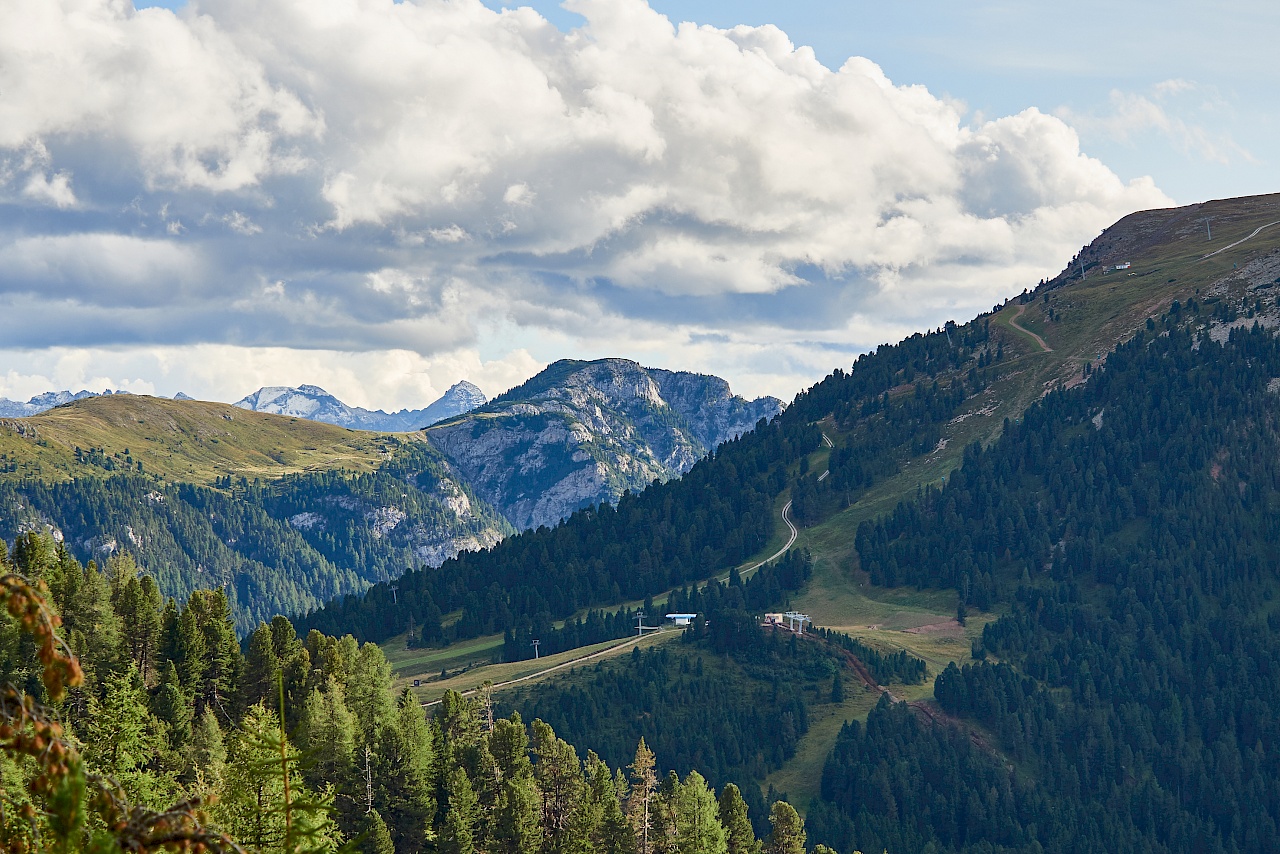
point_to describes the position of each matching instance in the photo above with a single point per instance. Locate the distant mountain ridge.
(316, 404)
(579, 433)
(45, 402)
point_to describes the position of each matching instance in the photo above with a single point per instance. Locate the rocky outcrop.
(580, 433)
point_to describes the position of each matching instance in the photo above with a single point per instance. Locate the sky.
(382, 198)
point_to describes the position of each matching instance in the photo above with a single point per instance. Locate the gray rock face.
(44, 402)
(461, 397)
(584, 432)
(316, 404)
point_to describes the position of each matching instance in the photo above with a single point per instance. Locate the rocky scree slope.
(580, 433)
(316, 404)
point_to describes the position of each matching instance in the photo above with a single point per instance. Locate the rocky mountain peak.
(582, 432)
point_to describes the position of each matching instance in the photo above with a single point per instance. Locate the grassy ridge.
(182, 441)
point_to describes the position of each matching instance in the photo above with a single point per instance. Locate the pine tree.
(171, 707)
(698, 828)
(261, 668)
(191, 656)
(644, 784)
(614, 834)
(461, 815)
(514, 826)
(137, 603)
(326, 735)
(206, 754)
(374, 838)
(89, 622)
(559, 775)
(120, 738)
(740, 838)
(837, 689)
(403, 777)
(264, 802)
(787, 835)
(456, 731)
(368, 692)
(662, 838)
(221, 677)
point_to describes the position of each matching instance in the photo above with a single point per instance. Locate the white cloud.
(241, 224)
(369, 177)
(1180, 110)
(54, 190)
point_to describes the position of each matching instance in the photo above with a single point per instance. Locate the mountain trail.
(1018, 326)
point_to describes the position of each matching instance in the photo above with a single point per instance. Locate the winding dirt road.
(1013, 321)
(1255, 233)
(786, 517)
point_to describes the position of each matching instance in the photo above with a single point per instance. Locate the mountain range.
(287, 511)
(316, 404)
(44, 402)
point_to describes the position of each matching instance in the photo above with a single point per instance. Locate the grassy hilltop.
(180, 441)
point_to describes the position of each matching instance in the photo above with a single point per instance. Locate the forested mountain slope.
(180, 486)
(1129, 527)
(899, 418)
(132, 724)
(907, 416)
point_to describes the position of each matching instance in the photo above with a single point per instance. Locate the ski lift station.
(791, 621)
(681, 619)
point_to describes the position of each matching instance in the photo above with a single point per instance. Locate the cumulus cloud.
(430, 177)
